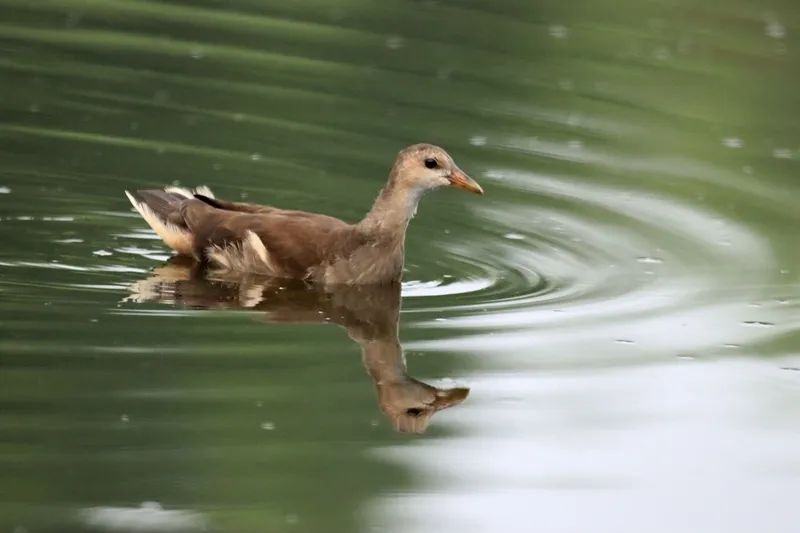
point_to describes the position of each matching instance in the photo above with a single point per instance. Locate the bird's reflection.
(369, 314)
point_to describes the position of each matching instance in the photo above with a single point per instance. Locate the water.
(617, 319)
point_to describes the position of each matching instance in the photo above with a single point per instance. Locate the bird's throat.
(392, 211)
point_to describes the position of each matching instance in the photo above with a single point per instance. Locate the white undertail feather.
(186, 193)
(205, 191)
(189, 193)
(248, 255)
(176, 238)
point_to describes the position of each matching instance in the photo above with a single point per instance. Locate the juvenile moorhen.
(243, 237)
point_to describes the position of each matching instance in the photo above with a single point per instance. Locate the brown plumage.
(276, 242)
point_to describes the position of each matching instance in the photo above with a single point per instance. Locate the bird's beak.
(449, 397)
(462, 181)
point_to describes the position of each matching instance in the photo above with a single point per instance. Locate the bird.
(281, 243)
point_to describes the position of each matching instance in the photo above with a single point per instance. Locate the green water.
(623, 304)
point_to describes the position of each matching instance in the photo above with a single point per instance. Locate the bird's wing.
(270, 241)
(244, 237)
(242, 207)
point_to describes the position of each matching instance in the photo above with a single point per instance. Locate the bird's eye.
(414, 411)
(431, 163)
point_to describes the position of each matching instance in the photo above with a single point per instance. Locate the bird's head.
(426, 166)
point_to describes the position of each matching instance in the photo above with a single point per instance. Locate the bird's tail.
(161, 209)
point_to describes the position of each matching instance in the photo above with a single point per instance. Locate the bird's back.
(249, 237)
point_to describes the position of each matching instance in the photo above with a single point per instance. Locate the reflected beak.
(462, 181)
(449, 397)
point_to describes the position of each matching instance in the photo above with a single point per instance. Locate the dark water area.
(608, 340)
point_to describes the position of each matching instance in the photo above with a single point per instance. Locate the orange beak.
(462, 181)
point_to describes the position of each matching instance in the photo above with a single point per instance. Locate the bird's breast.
(366, 265)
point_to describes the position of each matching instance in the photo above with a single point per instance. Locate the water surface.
(623, 304)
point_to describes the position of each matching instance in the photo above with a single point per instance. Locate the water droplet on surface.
(102, 253)
(649, 260)
(197, 53)
(267, 426)
(477, 140)
(782, 153)
(514, 236)
(124, 418)
(758, 324)
(732, 142)
(558, 31)
(5, 190)
(395, 42)
(775, 29)
(686, 356)
(732, 346)
(255, 157)
(623, 341)
(443, 74)
(662, 53)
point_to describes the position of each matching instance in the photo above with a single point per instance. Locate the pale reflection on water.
(149, 517)
(659, 448)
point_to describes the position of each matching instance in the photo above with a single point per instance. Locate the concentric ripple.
(634, 260)
(608, 264)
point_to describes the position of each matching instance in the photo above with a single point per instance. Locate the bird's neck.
(391, 212)
(384, 361)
